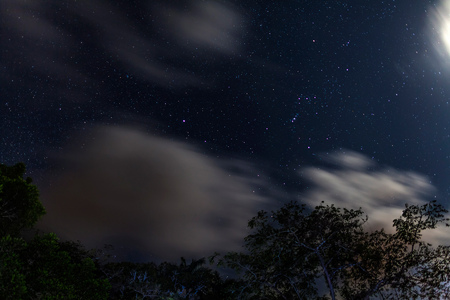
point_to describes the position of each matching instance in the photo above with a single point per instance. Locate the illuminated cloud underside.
(381, 192)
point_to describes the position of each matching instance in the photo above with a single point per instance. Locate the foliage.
(20, 207)
(291, 252)
(46, 268)
(12, 280)
(43, 268)
(166, 281)
(401, 265)
(291, 249)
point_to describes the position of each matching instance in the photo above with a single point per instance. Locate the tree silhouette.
(20, 207)
(291, 252)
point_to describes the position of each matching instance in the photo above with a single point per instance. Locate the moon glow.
(440, 21)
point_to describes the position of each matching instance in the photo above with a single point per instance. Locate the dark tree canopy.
(46, 268)
(167, 280)
(20, 207)
(292, 252)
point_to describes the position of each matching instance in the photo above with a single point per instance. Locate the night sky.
(162, 127)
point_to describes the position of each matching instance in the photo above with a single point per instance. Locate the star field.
(278, 85)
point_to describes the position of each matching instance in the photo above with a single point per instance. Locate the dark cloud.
(160, 197)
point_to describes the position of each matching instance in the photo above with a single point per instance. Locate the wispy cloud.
(206, 24)
(158, 48)
(353, 181)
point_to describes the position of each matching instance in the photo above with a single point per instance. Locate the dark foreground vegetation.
(292, 253)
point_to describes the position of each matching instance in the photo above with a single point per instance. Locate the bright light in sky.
(445, 34)
(441, 24)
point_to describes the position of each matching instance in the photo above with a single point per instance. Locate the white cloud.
(355, 181)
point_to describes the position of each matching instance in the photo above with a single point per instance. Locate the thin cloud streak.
(207, 24)
(37, 31)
